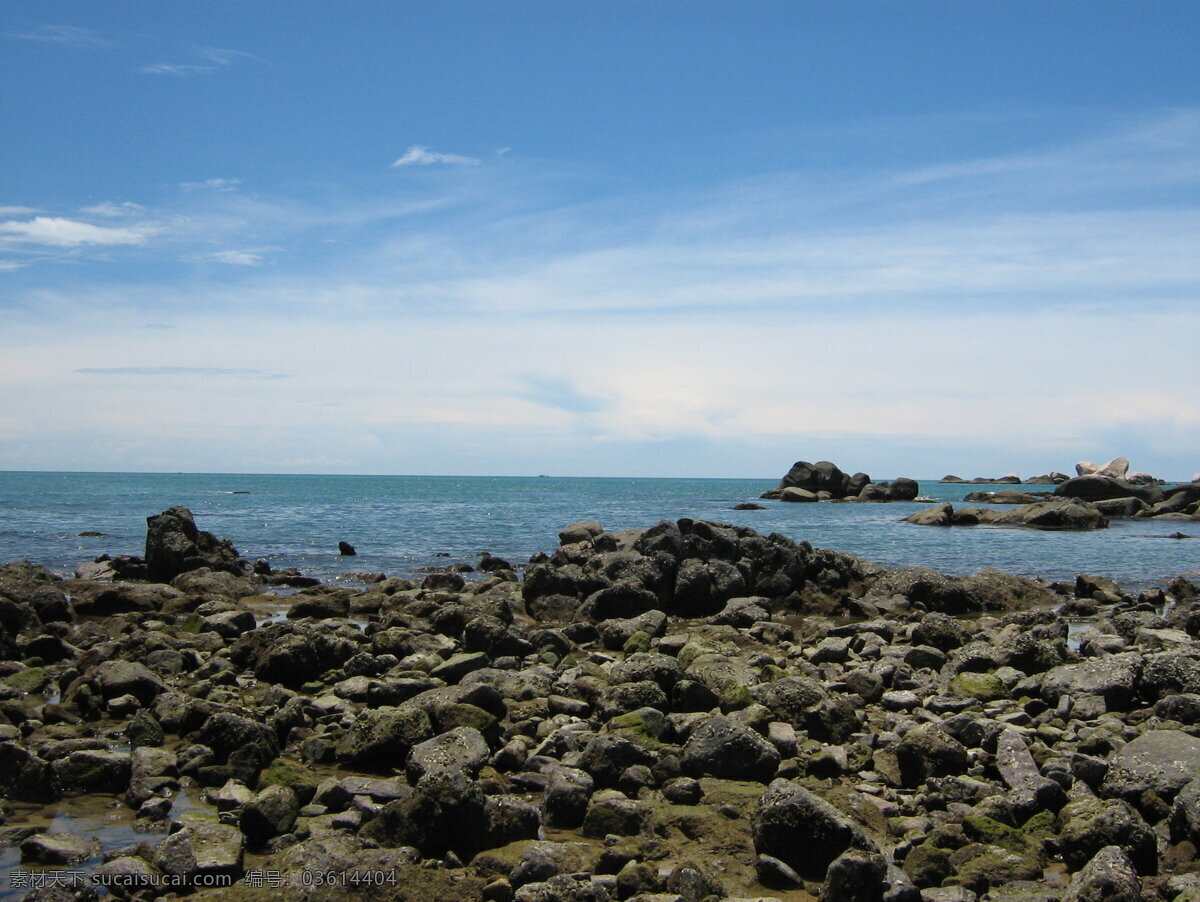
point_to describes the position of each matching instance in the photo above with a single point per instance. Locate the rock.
(802, 830)
(611, 813)
(1103, 488)
(579, 532)
(797, 494)
(565, 799)
(929, 751)
(270, 813)
(117, 678)
(1057, 514)
(1185, 815)
(722, 747)
(1159, 760)
(855, 876)
(94, 770)
(1090, 824)
(58, 848)
(938, 515)
(1111, 677)
(1108, 877)
(200, 851)
(174, 545)
(822, 476)
(463, 748)
(346, 549)
(384, 736)
(1115, 468)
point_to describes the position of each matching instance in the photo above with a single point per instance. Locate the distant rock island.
(1086, 501)
(825, 481)
(1118, 468)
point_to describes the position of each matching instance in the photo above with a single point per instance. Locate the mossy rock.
(987, 830)
(980, 866)
(283, 772)
(639, 641)
(637, 728)
(986, 687)
(1039, 828)
(927, 865)
(31, 679)
(694, 649)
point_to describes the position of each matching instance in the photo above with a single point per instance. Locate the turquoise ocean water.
(400, 524)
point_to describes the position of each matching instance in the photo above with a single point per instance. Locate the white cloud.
(211, 185)
(423, 156)
(17, 211)
(232, 257)
(112, 210)
(10, 265)
(55, 231)
(63, 35)
(217, 58)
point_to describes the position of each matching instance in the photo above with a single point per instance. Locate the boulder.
(58, 848)
(822, 476)
(725, 748)
(200, 851)
(270, 813)
(802, 830)
(1108, 877)
(1111, 677)
(174, 545)
(463, 748)
(1102, 488)
(1160, 760)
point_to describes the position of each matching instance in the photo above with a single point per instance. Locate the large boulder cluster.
(686, 713)
(825, 481)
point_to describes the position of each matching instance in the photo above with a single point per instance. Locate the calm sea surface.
(400, 524)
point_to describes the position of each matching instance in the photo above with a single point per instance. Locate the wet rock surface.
(693, 711)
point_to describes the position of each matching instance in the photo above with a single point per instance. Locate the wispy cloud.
(17, 211)
(56, 231)
(112, 210)
(211, 185)
(215, 58)
(423, 156)
(248, 257)
(202, 371)
(10, 265)
(63, 36)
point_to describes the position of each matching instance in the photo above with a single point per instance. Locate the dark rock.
(822, 476)
(384, 736)
(270, 813)
(174, 545)
(1108, 877)
(802, 830)
(855, 876)
(93, 770)
(201, 851)
(1159, 760)
(1090, 824)
(1103, 488)
(463, 748)
(346, 549)
(723, 747)
(929, 751)
(1112, 677)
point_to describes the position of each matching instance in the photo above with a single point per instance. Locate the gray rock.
(723, 747)
(855, 876)
(384, 736)
(1185, 815)
(201, 849)
(1108, 877)
(929, 751)
(1161, 760)
(802, 830)
(463, 748)
(270, 813)
(58, 848)
(94, 770)
(1112, 677)
(117, 678)
(1090, 824)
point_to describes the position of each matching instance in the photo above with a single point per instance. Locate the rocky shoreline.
(689, 712)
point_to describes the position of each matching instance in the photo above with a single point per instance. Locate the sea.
(407, 525)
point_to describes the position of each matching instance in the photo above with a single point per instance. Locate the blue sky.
(621, 238)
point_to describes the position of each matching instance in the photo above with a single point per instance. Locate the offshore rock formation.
(683, 711)
(825, 481)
